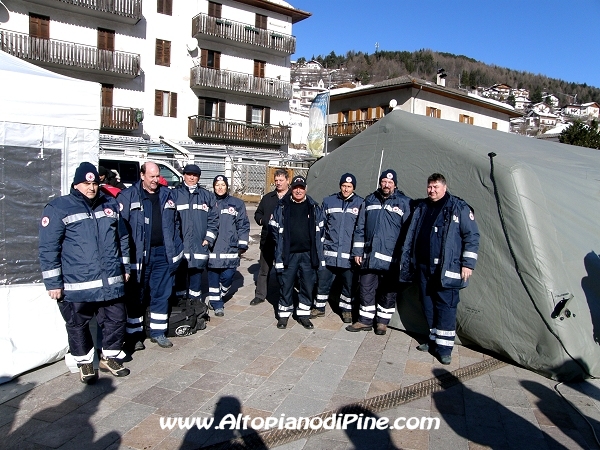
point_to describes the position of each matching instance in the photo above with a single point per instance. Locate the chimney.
(441, 77)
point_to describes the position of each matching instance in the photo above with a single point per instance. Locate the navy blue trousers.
(219, 283)
(439, 306)
(378, 292)
(326, 275)
(300, 268)
(111, 317)
(188, 281)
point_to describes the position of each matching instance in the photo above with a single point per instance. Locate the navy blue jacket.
(378, 228)
(281, 233)
(340, 217)
(199, 222)
(84, 249)
(455, 247)
(136, 209)
(234, 230)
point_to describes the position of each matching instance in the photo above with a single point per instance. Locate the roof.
(279, 6)
(406, 81)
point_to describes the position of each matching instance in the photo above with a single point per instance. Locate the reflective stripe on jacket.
(84, 249)
(340, 217)
(234, 232)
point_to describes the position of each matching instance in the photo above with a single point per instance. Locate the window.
(465, 119)
(165, 103)
(260, 22)
(211, 107)
(434, 112)
(39, 26)
(494, 125)
(165, 7)
(162, 55)
(210, 59)
(107, 95)
(259, 68)
(106, 39)
(258, 114)
(343, 117)
(214, 10)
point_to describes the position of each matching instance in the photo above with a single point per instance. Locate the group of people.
(378, 243)
(124, 259)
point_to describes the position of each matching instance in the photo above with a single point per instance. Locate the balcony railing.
(349, 128)
(243, 33)
(117, 118)
(70, 55)
(203, 77)
(201, 127)
(130, 11)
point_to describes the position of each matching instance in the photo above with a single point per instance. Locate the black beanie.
(86, 172)
(390, 175)
(348, 178)
(221, 178)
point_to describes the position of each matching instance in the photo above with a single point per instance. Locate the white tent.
(49, 123)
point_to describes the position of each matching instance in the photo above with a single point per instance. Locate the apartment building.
(191, 71)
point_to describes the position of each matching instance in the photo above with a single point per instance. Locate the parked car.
(129, 170)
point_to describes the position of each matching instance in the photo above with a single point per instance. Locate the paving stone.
(307, 352)
(146, 434)
(381, 387)
(96, 438)
(360, 372)
(263, 365)
(185, 403)
(269, 396)
(199, 365)
(126, 417)
(300, 406)
(248, 379)
(320, 380)
(339, 352)
(155, 396)
(212, 381)
(352, 388)
(179, 380)
(510, 397)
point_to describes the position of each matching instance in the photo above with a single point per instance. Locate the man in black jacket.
(263, 214)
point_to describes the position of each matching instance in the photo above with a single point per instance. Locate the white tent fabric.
(49, 123)
(535, 293)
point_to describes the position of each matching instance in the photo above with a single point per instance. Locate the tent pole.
(380, 163)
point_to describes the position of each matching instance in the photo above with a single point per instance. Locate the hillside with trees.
(462, 72)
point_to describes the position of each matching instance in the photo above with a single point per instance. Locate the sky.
(556, 38)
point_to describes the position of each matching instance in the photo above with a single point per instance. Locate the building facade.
(226, 81)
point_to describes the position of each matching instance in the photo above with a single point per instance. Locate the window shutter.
(158, 52)
(267, 115)
(160, 7)
(380, 113)
(439, 113)
(461, 118)
(201, 106)
(169, 7)
(106, 39)
(340, 117)
(203, 57)
(107, 95)
(222, 109)
(39, 26)
(217, 58)
(214, 10)
(470, 120)
(428, 111)
(370, 113)
(158, 106)
(256, 69)
(45, 28)
(167, 53)
(494, 125)
(249, 113)
(260, 21)
(173, 105)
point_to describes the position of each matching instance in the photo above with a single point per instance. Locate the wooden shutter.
(106, 39)
(249, 113)
(222, 109)
(494, 125)
(173, 105)
(340, 117)
(259, 68)
(165, 7)
(370, 113)
(470, 120)
(214, 10)
(39, 26)
(158, 102)
(461, 118)
(203, 57)
(260, 22)
(167, 53)
(158, 52)
(266, 115)
(380, 112)
(428, 111)
(217, 61)
(438, 113)
(107, 95)
(201, 106)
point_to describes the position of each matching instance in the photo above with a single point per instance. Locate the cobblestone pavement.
(243, 364)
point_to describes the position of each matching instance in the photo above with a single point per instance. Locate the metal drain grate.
(384, 402)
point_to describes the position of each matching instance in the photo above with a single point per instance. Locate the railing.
(239, 82)
(76, 56)
(242, 32)
(117, 118)
(349, 128)
(231, 130)
(125, 8)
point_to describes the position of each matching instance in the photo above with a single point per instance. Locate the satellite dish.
(192, 44)
(4, 14)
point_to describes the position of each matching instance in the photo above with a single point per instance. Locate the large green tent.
(535, 294)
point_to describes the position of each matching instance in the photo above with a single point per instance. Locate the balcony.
(205, 78)
(124, 11)
(68, 55)
(206, 27)
(349, 128)
(120, 119)
(200, 127)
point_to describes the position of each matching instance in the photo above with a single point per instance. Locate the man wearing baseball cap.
(298, 250)
(84, 256)
(376, 250)
(340, 212)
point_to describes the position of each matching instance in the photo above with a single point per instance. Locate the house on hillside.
(228, 83)
(353, 110)
(550, 99)
(584, 111)
(522, 103)
(541, 108)
(497, 92)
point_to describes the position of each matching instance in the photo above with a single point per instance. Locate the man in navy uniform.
(340, 212)
(440, 250)
(376, 250)
(156, 250)
(84, 256)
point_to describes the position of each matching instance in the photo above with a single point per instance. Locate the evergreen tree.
(581, 134)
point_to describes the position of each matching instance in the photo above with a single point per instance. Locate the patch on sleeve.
(45, 221)
(109, 212)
